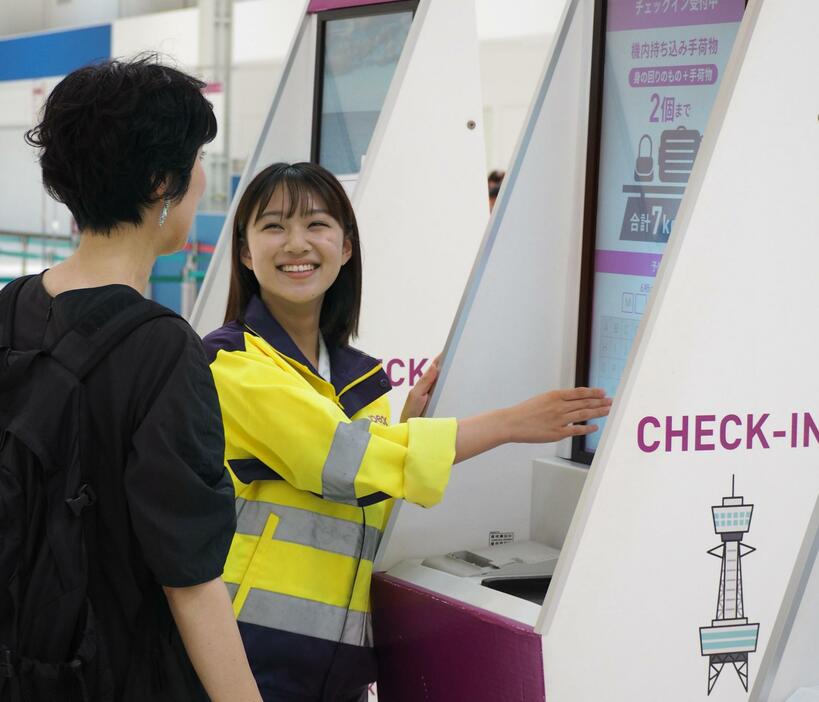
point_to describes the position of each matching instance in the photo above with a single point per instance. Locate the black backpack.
(50, 646)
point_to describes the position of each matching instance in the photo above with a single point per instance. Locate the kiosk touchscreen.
(357, 52)
(656, 76)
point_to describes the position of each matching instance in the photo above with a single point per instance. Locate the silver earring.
(164, 214)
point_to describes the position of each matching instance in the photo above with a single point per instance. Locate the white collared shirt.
(324, 369)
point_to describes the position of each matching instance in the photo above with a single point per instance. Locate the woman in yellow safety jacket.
(314, 460)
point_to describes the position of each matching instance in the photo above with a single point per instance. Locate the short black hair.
(113, 132)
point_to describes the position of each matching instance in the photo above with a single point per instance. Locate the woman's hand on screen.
(556, 415)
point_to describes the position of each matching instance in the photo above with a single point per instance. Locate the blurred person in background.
(494, 181)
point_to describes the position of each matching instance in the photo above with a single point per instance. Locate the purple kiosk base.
(432, 648)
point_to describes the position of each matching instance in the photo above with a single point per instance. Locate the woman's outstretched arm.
(548, 417)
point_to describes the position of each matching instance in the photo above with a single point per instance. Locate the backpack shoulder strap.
(8, 304)
(121, 312)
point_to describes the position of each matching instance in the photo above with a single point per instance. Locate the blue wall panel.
(206, 229)
(53, 53)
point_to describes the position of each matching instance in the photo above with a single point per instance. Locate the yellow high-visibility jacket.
(315, 466)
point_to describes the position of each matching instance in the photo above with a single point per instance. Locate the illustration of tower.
(730, 638)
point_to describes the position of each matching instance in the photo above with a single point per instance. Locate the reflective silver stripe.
(372, 539)
(345, 457)
(232, 589)
(301, 526)
(306, 617)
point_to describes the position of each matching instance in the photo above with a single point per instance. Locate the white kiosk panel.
(515, 331)
(792, 659)
(716, 387)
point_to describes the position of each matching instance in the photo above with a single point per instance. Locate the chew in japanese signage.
(663, 64)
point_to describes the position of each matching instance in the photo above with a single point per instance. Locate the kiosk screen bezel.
(387, 8)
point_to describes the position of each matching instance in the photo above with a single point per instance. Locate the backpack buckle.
(6, 666)
(86, 497)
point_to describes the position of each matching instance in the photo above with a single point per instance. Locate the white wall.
(41, 15)
(514, 37)
(24, 206)
(21, 17)
(173, 34)
(253, 87)
(66, 13)
(510, 69)
(512, 19)
(262, 30)
(262, 33)
(130, 8)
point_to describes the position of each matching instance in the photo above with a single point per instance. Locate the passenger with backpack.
(116, 513)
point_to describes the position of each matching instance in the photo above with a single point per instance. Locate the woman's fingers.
(574, 405)
(427, 379)
(586, 414)
(418, 397)
(580, 429)
(582, 393)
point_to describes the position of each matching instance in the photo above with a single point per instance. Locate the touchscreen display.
(662, 67)
(360, 58)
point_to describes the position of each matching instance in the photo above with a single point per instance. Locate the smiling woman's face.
(295, 259)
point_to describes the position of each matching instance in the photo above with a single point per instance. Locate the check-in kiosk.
(386, 96)
(647, 240)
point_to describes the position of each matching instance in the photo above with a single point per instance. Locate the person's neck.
(301, 322)
(125, 256)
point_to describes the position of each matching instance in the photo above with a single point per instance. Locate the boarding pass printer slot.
(522, 569)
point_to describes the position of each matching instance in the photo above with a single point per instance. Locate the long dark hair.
(303, 182)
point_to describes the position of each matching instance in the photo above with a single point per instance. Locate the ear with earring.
(166, 206)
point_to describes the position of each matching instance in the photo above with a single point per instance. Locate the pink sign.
(650, 14)
(694, 74)
(322, 5)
